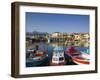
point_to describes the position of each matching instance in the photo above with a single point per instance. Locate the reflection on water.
(77, 44)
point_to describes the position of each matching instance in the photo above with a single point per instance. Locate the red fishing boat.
(77, 56)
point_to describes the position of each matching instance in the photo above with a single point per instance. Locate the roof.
(59, 48)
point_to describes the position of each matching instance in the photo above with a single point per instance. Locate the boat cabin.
(58, 56)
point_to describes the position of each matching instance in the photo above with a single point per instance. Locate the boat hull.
(80, 61)
(79, 57)
(57, 64)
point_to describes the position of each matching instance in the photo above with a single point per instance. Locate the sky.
(64, 23)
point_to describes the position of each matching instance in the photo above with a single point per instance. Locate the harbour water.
(49, 48)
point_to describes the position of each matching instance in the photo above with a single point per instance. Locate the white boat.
(58, 56)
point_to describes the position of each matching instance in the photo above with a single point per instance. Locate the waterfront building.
(77, 36)
(76, 39)
(56, 34)
(58, 37)
(86, 36)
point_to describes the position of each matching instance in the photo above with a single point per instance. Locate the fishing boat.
(85, 55)
(71, 51)
(58, 57)
(78, 57)
(36, 57)
(28, 50)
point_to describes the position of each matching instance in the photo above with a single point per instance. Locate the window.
(61, 58)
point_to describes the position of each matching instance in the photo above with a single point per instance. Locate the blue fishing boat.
(36, 57)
